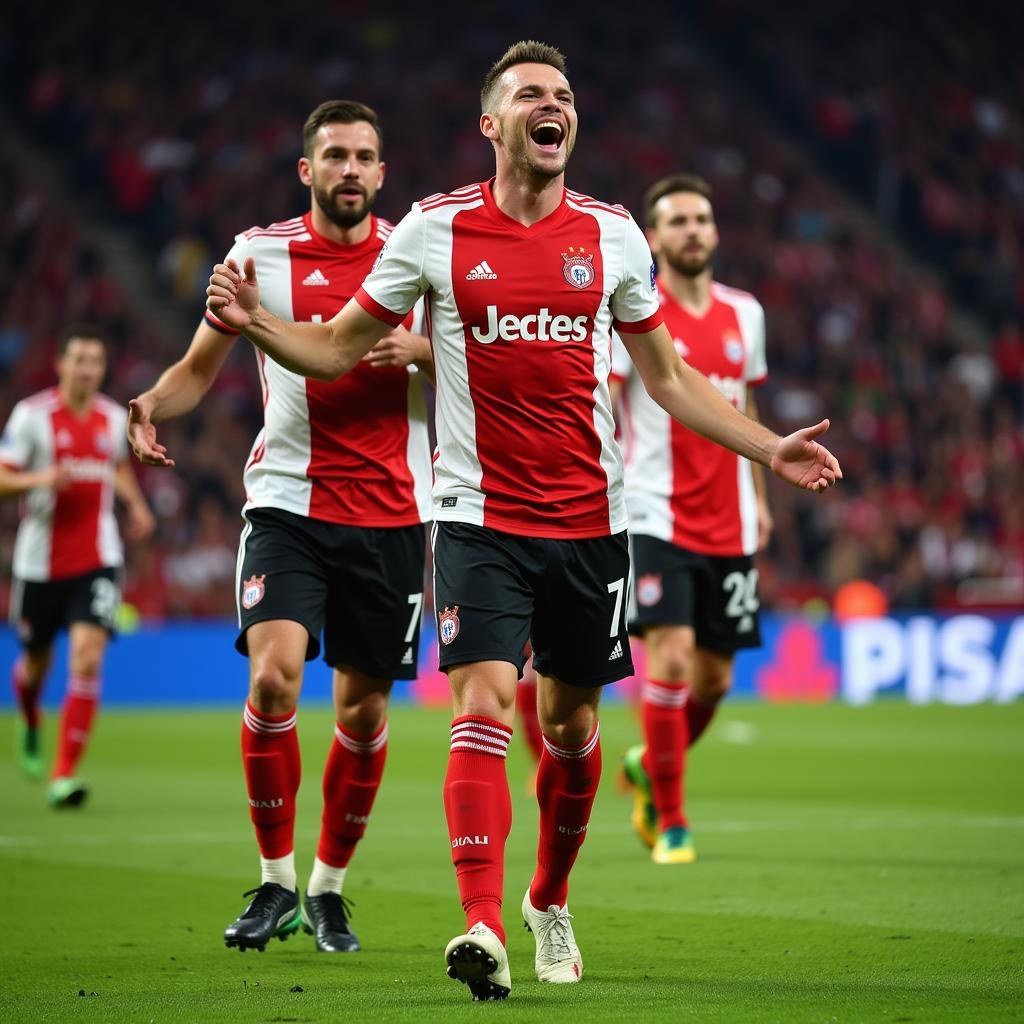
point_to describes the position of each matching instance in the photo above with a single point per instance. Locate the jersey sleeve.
(622, 365)
(634, 303)
(397, 280)
(238, 252)
(17, 443)
(119, 425)
(755, 370)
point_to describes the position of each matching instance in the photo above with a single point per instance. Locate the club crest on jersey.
(578, 268)
(648, 589)
(448, 625)
(733, 345)
(253, 590)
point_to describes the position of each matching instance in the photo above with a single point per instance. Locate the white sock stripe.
(361, 746)
(572, 753)
(466, 744)
(665, 696)
(494, 739)
(254, 723)
(84, 686)
(499, 731)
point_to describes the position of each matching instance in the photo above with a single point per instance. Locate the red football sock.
(664, 760)
(27, 697)
(526, 708)
(270, 756)
(699, 715)
(566, 786)
(351, 780)
(80, 704)
(478, 807)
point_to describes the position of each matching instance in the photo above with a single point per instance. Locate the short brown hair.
(526, 51)
(669, 186)
(82, 332)
(339, 112)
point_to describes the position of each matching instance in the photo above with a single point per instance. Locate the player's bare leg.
(351, 779)
(567, 781)
(526, 710)
(478, 807)
(88, 644)
(710, 682)
(270, 755)
(27, 678)
(657, 769)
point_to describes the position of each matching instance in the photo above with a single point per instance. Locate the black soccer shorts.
(361, 586)
(39, 610)
(716, 595)
(493, 591)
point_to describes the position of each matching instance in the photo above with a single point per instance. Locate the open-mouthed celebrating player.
(524, 280)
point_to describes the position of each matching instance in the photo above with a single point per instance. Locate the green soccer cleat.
(674, 846)
(29, 751)
(66, 791)
(644, 817)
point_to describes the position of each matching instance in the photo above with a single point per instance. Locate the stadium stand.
(179, 147)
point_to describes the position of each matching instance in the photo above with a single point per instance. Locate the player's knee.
(711, 685)
(272, 690)
(572, 731)
(671, 658)
(364, 715)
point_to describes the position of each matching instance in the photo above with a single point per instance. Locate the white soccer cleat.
(479, 960)
(558, 957)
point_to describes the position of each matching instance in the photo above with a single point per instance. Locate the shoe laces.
(266, 898)
(556, 938)
(336, 910)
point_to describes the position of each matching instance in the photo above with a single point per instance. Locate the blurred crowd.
(184, 145)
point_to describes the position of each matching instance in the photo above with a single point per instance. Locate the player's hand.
(142, 437)
(141, 522)
(55, 477)
(234, 295)
(398, 349)
(765, 525)
(801, 461)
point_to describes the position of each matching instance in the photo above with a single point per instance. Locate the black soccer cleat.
(326, 917)
(273, 911)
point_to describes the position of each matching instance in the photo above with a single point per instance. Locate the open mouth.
(547, 135)
(350, 192)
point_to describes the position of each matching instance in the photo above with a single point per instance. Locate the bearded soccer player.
(524, 280)
(337, 491)
(697, 513)
(64, 450)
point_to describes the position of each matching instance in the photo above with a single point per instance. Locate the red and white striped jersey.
(72, 531)
(681, 487)
(354, 450)
(520, 319)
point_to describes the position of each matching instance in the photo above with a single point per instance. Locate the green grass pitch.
(854, 865)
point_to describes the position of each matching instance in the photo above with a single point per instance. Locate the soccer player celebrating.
(64, 449)
(697, 513)
(524, 280)
(338, 488)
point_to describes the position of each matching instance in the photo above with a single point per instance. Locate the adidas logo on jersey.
(616, 651)
(482, 272)
(407, 657)
(316, 279)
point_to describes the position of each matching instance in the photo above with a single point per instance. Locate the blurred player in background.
(524, 280)
(64, 449)
(697, 513)
(337, 488)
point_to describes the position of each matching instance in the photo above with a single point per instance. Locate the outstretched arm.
(324, 351)
(690, 398)
(178, 391)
